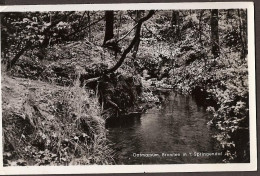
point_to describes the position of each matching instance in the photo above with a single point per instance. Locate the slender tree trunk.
(46, 41)
(228, 15)
(119, 25)
(214, 33)
(200, 25)
(173, 19)
(242, 40)
(89, 27)
(17, 56)
(136, 46)
(109, 32)
(175, 23)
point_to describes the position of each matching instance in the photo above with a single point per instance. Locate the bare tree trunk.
(242, 40)
(119, 25)
(228, 15)
(136, 46)
(109, 32)
(214, 33)
(89, 27)
(200, 24)
(175, 23)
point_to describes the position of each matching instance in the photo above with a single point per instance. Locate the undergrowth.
(45, 124)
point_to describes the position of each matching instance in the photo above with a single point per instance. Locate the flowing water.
(175, 132)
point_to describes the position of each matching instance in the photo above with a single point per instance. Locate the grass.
(46, 124)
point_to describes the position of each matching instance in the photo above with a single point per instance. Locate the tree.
(214, 33)
(242, 35)
(26, 31)
(136, 46)
(109, 31)
(200, 25)
(175, 23)
(47, 35)
(89, 27)
(135, 39)
(109, 40)
(126, 51)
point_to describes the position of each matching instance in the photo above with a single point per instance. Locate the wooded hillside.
(64, 74)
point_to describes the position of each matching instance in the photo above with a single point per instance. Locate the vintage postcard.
(128, 88)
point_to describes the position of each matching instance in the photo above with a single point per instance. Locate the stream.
(174, 132)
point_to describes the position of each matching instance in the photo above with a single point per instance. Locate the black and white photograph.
(158, 85)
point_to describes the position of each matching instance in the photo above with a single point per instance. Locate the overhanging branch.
(127, 50)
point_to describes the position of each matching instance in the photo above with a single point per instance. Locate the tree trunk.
(200, 25)
(109, 31)
(89, 27)
(242, 40)
(17, 56)
(175, 23)
(214, 33)
(136, 46)
(119, 24)
(228, 15)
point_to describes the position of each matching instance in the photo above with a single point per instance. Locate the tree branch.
(17, 56)
(83, 28)
(127, 50)
(127, 33)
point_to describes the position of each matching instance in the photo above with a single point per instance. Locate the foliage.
(232, 116)
(192, 66)
(224, 79)
(40, 30)
(175, 51)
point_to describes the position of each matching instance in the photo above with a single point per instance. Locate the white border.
(252, 166)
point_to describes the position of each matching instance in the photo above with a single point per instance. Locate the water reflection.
(177, 127)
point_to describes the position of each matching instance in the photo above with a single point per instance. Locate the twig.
(127, 33)
(83, 28)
